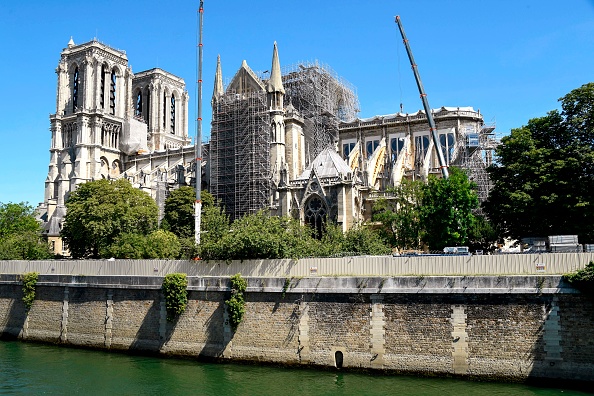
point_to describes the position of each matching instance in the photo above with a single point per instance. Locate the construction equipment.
(432, 128)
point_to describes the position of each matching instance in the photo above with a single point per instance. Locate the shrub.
(236, 304)
(175, 289)
(29, 282)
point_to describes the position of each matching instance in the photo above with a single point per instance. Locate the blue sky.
(510, 59)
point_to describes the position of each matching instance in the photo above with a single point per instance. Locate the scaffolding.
(239, 152)
(475, 154)
(323, 99)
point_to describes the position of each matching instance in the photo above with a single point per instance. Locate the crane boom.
(442, 164)
(198, 141)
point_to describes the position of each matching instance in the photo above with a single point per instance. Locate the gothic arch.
(315, 213)
(116, 168)
(76, 77)
(138, 98)
(174, 111)
(147, 102)
(104, 170)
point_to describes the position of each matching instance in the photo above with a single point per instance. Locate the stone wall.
(489, 327)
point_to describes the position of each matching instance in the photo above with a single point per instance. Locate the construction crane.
(198, 141)
(442, 164)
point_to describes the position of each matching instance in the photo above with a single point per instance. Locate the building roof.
(328, 164)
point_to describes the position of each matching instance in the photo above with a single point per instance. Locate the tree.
(261, 236)
(98, 212)
(361, 240)
(400, 215)
(545, 171)
(179, 219)
(20, 234)
(446, 212)
(179, 212)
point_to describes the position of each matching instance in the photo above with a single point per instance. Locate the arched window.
(148, 107)
(447, 145)
(172, 126)
(112, 93)
(75, 83)
(102, 92)
(138, 104)
(164, 109)
(315, 215)
(396, 146)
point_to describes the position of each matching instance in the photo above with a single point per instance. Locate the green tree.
(20, 234)
(545, 171)
(362, 240)
(179, 219)
(179, 212)
(159, 244)
(400, 215)
(261, 236)
(98, 212)
(447, 208)
(126, 246)
(162, 244)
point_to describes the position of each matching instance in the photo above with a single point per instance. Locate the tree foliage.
(179, 212)
(99, 212)
(400, 216)
(545, 171)
(446, 212)
(159, 244)
(260, 236)
(179, 219)
(433, 215)
(20, 234)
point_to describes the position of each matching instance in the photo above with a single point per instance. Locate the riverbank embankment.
(496, 327)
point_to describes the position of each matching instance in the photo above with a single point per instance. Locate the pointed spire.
(71, 43)
(218, 82)
(275, 84)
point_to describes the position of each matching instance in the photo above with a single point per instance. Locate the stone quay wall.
(496, 327)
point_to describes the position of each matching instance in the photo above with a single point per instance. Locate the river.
(34, 369)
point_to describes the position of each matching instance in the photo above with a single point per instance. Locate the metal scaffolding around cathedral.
(289, 142)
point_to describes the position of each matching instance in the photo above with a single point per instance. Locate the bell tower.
(93, 103)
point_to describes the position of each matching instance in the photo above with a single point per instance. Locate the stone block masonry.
(500, 327)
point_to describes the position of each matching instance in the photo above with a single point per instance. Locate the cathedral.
(288, 140)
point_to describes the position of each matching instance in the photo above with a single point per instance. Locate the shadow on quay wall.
(148, 336)
(155, 332)
(565, 347)
(215, 341)
(16, 316)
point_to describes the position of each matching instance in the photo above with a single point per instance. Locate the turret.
(218, 82)
(276, 93)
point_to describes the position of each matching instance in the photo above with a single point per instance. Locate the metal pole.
(442, 164)
(198, 142)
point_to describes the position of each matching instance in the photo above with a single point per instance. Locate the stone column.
(304, 352)
(108, 318)
(64, 323)
(377, 331)
(459, 340)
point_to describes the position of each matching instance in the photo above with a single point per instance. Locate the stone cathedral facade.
(289, 141)
(111, 123)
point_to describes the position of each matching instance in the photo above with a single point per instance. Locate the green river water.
(35, 369)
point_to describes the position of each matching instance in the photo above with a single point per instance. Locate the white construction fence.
(503, 264)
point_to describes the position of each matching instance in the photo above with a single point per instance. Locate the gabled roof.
(245, 80)
(327, 164)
